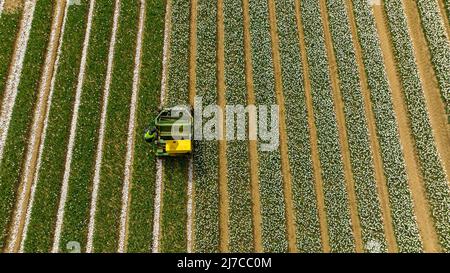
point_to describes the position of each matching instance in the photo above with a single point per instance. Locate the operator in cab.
(150, 135)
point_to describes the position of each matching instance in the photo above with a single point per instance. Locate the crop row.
(174, 203)
(404, 221)
(239, 189)
(298, 132)
(43, 215)
(174, 207)
(439, 46)
(75, 223)
(178, 70)
(336, 199)
(206, 156)
(274, 237)
(111, 179)
(447, 8)
(434, 177)
(9, 23)
(15, 143)
(174, 216)
(361, 156)
(142, 191)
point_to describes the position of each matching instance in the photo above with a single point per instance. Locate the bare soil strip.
(340, 118)
(12, 83)
(253, 150)
(159, 164)
(313, 131)
(99, 155)
(223, 179)
(421, 206)
(123, 229)
(10, 5)
(285, 167)
(378, 163)
(20, 212)
(431, 90)
(192, 92)
(444, 17)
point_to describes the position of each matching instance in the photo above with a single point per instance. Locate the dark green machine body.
(173, 132)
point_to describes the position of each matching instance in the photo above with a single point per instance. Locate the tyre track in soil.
(375, 147)
(340, 118)
(253, 150)
(314, 141)
(20, 212)
(223, 165)
(435, 106)
(421, 207)
(285, 167)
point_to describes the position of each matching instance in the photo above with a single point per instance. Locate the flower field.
(363, 96)
(240, 212)
(400, 199)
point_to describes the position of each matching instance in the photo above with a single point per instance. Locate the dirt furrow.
(253, 150)
(285, 167)
(223, 178)
(53, 51)
(444, 17)
(421, 207)
(378, 163)
(340, 118)
(314, 140)
(10, 5)
(431, 90)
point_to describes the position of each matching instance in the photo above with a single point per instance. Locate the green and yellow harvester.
(171, 133)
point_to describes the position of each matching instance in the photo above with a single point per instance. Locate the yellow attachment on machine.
(176, 147)
(173, 127)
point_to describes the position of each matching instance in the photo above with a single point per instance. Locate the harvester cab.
(171, 133)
